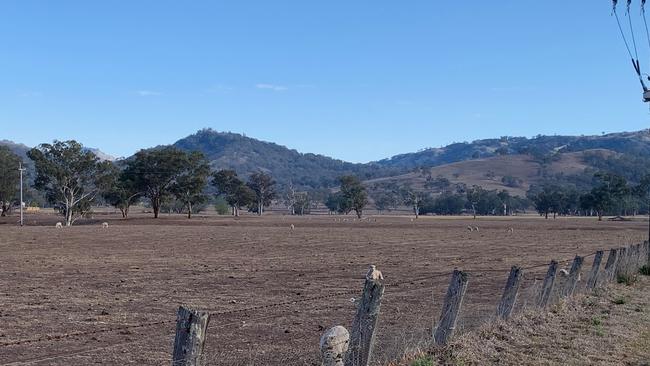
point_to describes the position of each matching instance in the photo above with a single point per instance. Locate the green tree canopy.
(353, 193)
(189, 185)
(232, 189)
(69, 176)
(262, 185)
(9, 179)
(154, 173)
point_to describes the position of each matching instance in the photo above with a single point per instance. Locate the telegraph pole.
(21, 169)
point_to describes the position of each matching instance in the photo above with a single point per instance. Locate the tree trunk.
(600, 216)
(474, 211)
(189, 210)
(155, 204)
(546, 215)
(359, 213)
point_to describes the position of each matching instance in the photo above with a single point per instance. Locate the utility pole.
(21, 169)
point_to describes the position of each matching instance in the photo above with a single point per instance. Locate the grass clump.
(626, 279)
(423, 361)
(645, 270)
(620, 300)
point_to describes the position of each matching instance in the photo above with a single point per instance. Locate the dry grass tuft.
(596, 329)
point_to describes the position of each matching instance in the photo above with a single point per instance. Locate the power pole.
(21, 169)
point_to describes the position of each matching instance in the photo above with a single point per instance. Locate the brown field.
(86, 295)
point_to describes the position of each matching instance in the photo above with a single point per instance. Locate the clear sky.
(357, 80)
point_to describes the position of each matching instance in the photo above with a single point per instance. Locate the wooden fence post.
(621, 265)
(634, 258)
(646, 259)
(509, 297)
(610, 266)
(595, 267)
(190, 336)
(451, 307)
(572, 280)
(364, 326)
(547, 286)
(334, 346)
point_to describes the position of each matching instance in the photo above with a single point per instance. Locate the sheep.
(469, 228)
(292, 227)
(104, 225)
(58, 225)
(511, 230)
(564, 272)
(475, 228)
(374, 274)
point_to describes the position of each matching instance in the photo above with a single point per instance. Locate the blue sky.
(356, 80)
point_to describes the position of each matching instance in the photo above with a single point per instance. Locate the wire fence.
(410, 309)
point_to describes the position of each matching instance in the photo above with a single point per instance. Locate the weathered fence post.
(451, 307)
(547, 286)
(621, 265)
(610, 266)
(595, 267)
(190, 337)
(572, 280)
(634, 258)
(334, 346)
(507, 304)
(364, 327)
(646, 259)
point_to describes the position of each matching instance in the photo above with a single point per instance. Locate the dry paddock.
(86, 295)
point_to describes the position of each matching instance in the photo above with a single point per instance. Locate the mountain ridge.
(227, 150)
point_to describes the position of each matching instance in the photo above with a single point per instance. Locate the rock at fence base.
(334, 345)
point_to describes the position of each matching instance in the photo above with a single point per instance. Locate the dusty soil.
(86, 295)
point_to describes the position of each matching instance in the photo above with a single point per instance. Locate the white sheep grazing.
(374, 273)
(104, 225)
(564, 272)
(511, 230)
(475, 228)
(58, 225)
(469, 228)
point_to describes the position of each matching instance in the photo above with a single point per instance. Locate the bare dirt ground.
(86, 295)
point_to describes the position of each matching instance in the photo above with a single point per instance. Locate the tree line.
(610, 194)
(72, 179)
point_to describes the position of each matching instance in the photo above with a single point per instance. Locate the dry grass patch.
(607, 328)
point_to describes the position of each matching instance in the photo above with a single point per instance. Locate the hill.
(514, 173)
(637, 143)
(246, 155)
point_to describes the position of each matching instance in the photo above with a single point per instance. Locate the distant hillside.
(513, 157)
(514, 173)
(522, 161)
(637, 143)
(246, 155)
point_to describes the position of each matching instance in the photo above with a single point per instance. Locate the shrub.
(626, 279)
(645, 270)
(619, 300)
(423, 361)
